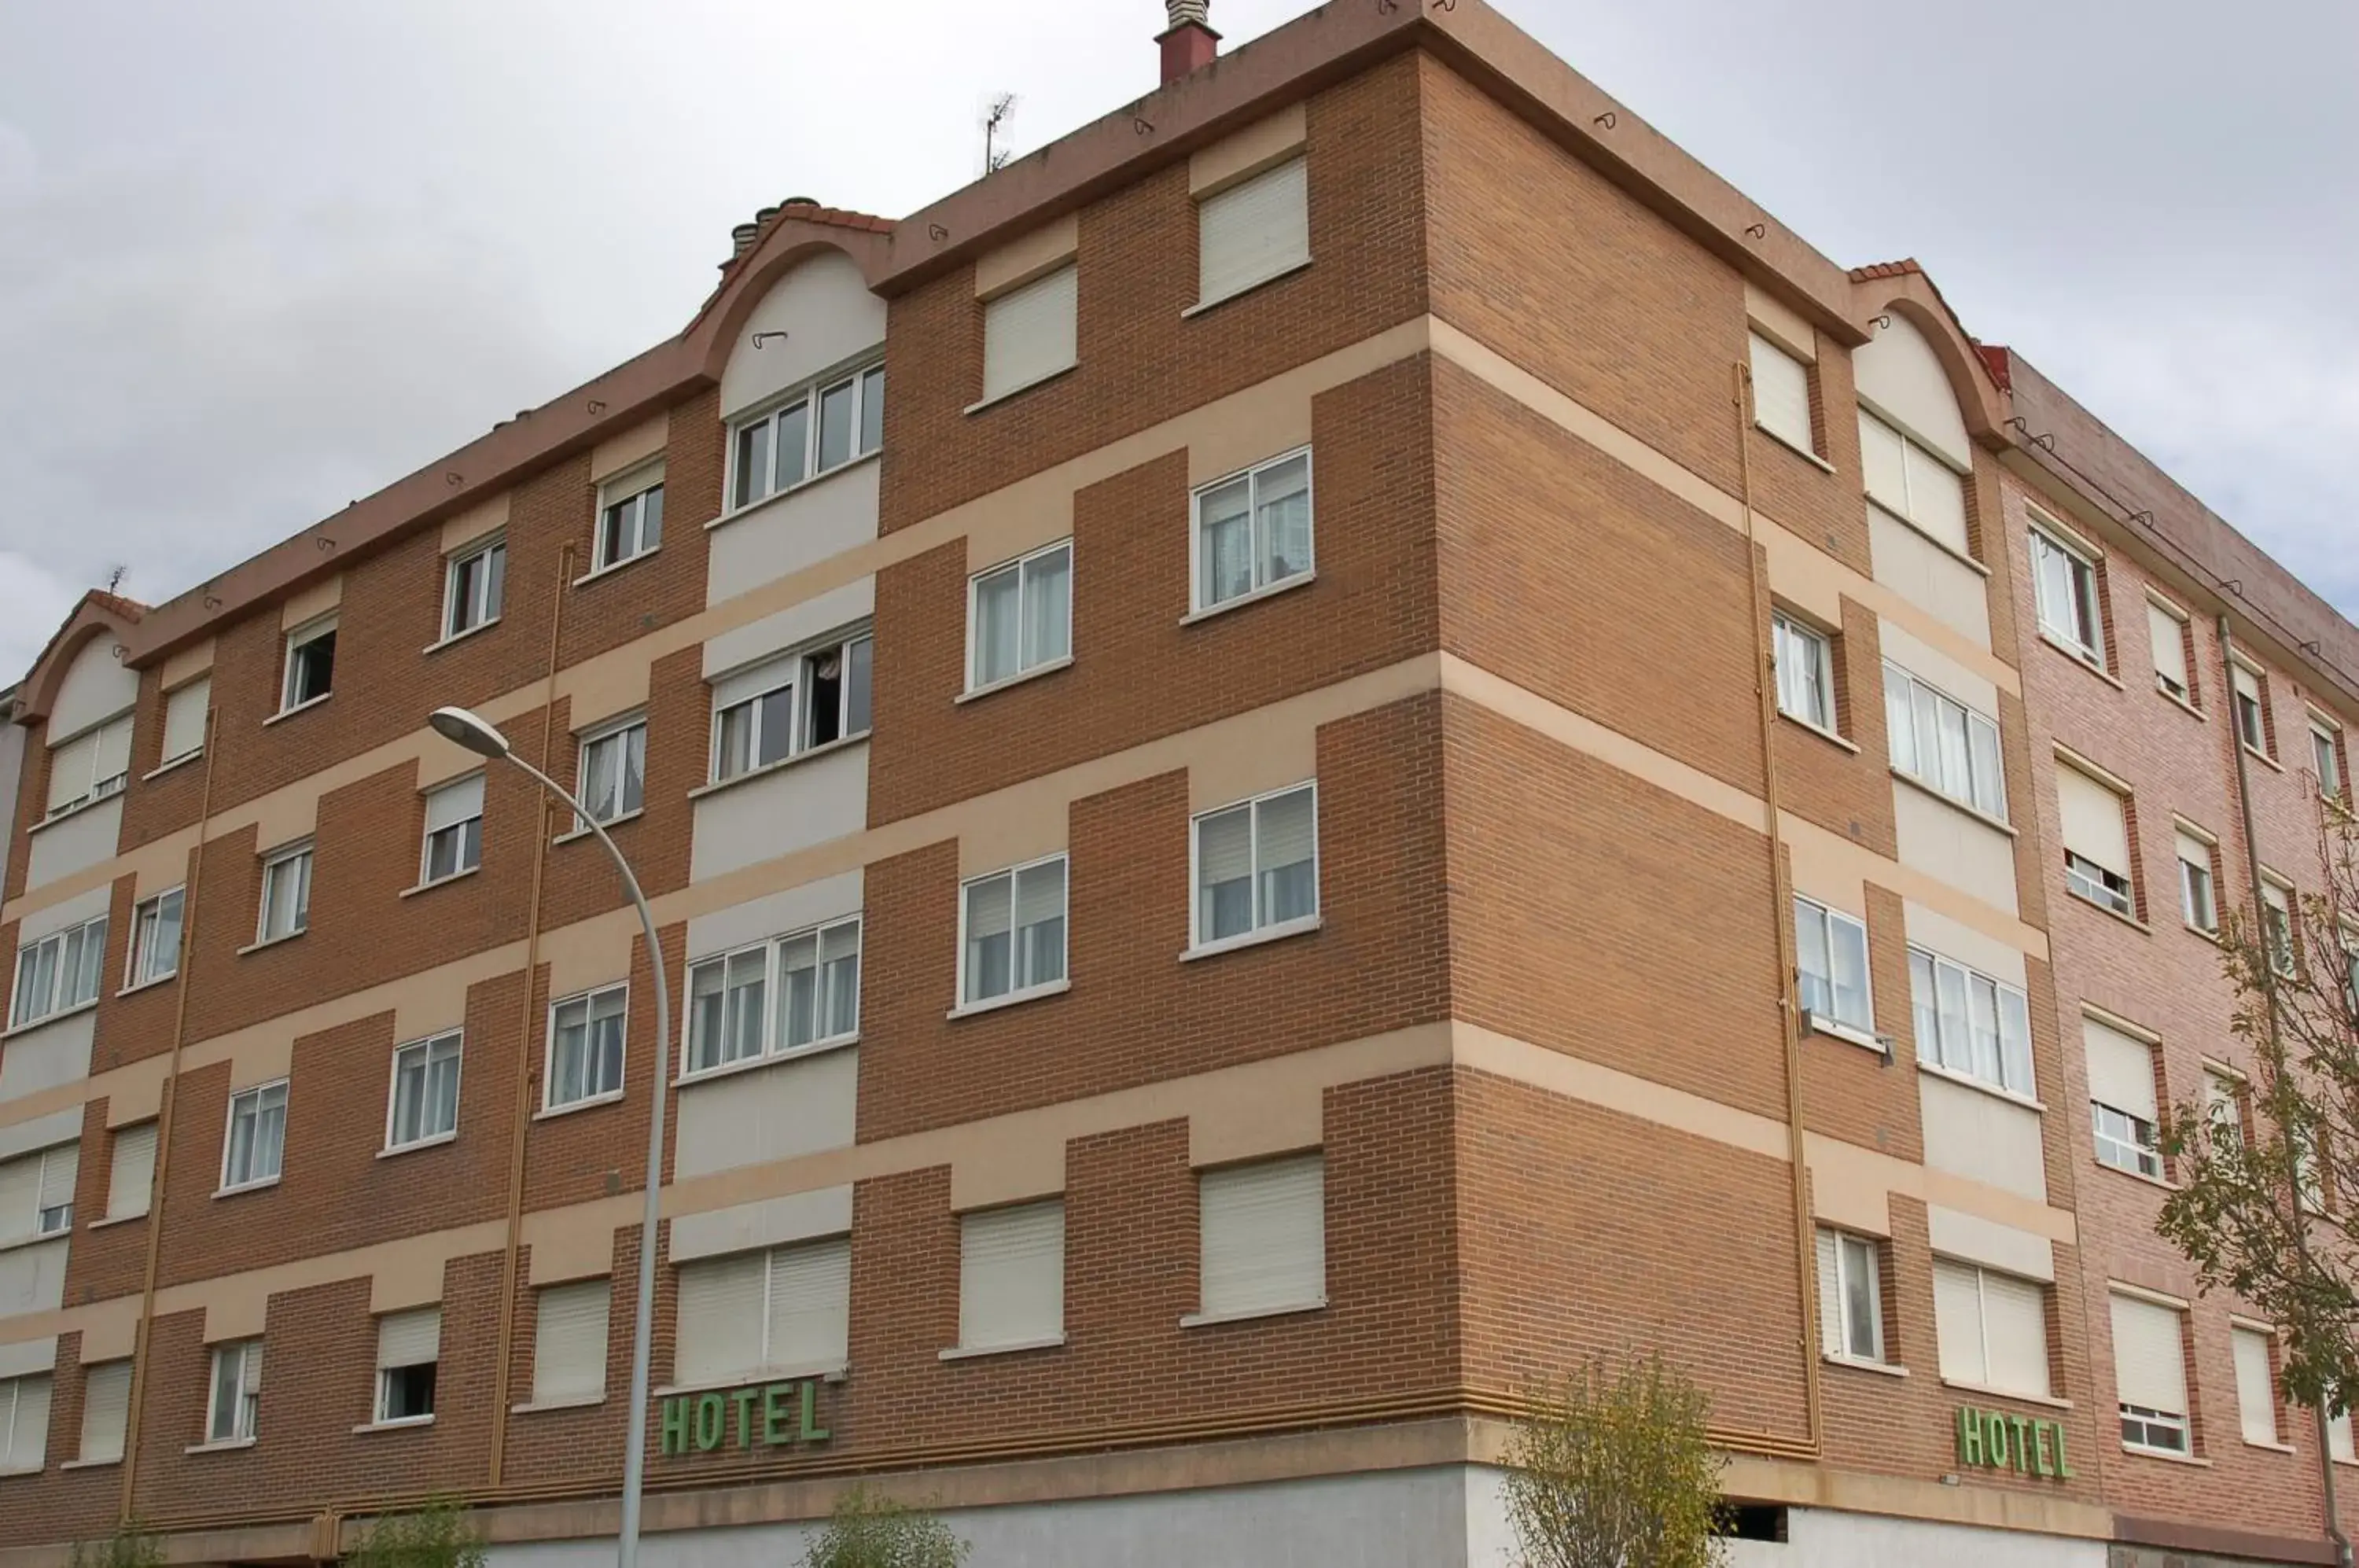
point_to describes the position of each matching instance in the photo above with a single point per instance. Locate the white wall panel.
(797, 529)
(1929, 577)
(769, 1113)
(828, 316)
(46, 1057)
(777, 813)
(73, 843)
(1967, 853)
(1978, 1135)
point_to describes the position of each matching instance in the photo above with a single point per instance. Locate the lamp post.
(464, 728)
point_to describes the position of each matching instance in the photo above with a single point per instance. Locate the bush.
(867, 1531)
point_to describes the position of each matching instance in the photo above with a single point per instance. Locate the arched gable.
(1920, 367)
(80, 678)
(795, 235)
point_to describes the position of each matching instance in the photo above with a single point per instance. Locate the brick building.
(1239, 880)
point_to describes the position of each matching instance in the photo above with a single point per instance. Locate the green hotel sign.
(1994, 1439)
(759, 1415)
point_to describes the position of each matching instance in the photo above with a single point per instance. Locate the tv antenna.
(114, 576)
(995, 112)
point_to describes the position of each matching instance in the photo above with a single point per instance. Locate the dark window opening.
(408, 1392)
(1751, 1522)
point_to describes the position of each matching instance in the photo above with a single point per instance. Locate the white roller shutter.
(2338, 1437)
(719, 1336)
(1264, 1235)
(60, 1170)
(20, 1196)
(1289, 829)
(133, 1171)
(2256, 1401)
(2168, 635)
(2194, 850)
(413, 1338)
(24, 1445)
(454, 803)
(2248, 685)
(2149, 1364)
(184, 717)
(1781, 392)
(568, 1346)
(105, 1400)
(1830, 1296)
(767, 676)
(1881, 456)
(811, 1306)
(1030, 332)
(1937, 498)
(1011, 1276)
(2121, 1070)
(2093, 824)
(113, 759)
(1958, 1323)
(2015, 1334)
(1253, 230)
(70, 770)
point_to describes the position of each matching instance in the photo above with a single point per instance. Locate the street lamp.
(464, 728)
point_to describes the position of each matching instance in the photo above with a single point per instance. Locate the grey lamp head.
(464, 728)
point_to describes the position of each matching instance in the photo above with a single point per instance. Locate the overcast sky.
(260, 257)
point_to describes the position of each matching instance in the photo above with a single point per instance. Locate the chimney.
(741, 239)
(1190, 42)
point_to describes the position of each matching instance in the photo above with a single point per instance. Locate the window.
(286, 894)
(311, 673)
(1942, 743)
(2166, 630)
(569, 1341)
(818, 429)
(2338, 1437)
(757, 1314)
(37, 1192)
(2096, 840)
(1992, 1329)
(2326, 757)
(454, 829)
(185, 710)
(1257, 866)
(2122, 1099)
(613, 771)
(236, 1404)
(1030, 332)
(24, 1423)
(814, 975)
(91, 766)
(130, 1173)
(630, 517)
(105, 1402)
(2199, 905)
(1781, 394)
(2223, 1107)
(2276, 924)
(1020, 616)
(1851, 1311)
(409, 1345)
(2256, 1396)
(2150, 1375)
(2308, 1182)
(57, 972)
(1252, 231)
(1831, 968)
(1012, 932)
(1806, 671)
(769, 712)
(155, 938)
(1968, 1023)
(585, 1047)
(472, 586)
(2064, 583)
(1252, 531)
(2251, 698)
(257, 1137)
(1012, 1276)
(1910, 483)
(1263, 1228)
(424, 1106)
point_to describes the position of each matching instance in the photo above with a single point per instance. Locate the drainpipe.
(2277, 1055)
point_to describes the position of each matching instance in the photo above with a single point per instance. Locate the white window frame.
(2182, 694)
(2284, 950)
(40, 1222)
(794, 672)
(199, 684)
(1858, 1032)
(12, 1398)
(1016, 992)
(588, 1001)
(1931, 458)
(1029, 661)
(2188, 873)
(2258, 742)
(629, 489)
(2270, 1404)
(141, 966)
(301, 637)
(2329, 736)
(1983, 1275)
(259, 1095)
(463, 862)
(1847, 1250)
(1993, 805)
(771, 1022)
(618, 730)
(40, 997)
(2124, 1142)
(1262, 585)
(2009, 1004)
(1759, 344)
(2148, 1420)
(1259, 928)
(245, 1422)
(449, 1046)
(381, 1413)
(102, 786)
(484, 597)
(1801, 654)
(286, 855)
(864, 378)
(2060, 624)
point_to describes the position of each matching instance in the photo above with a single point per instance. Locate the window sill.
(1266, 590)
(77, 809)
(2132, 922)
(169, 764)
(1021, 676)
(1861, 1363)
(2180, 703)
(2164, 1453)
(1012, 998)
(1279, 932)
(2050, 1400)
(610, 825)
(768, 1059)
(2262, 756)
(19, 1243)
(442, 643)
(1208, 1319)
(437, 1141)
(244, 1187)
(219, 1445)
(797, 488)
(20, 1470)
(1805, 453)
(972, 1351)
(89, 1464)
(46, 1020)
(1825, 735)
(751, 773)
(1217, 300)
(2211, 936)
(398, 1423)
(1835, 1028)
(573, 1403)
(998, 398)
(105, 1221)
(830, 1372)
(2133, 1175)
(134, 990)
(2081, 657)
(1977, 813)
(439, 882)
(304, 706)
(1968, 1080)
(1944, 546)
(271, 942)
(612, 567)
(590, 1103)
(2281, 1448)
